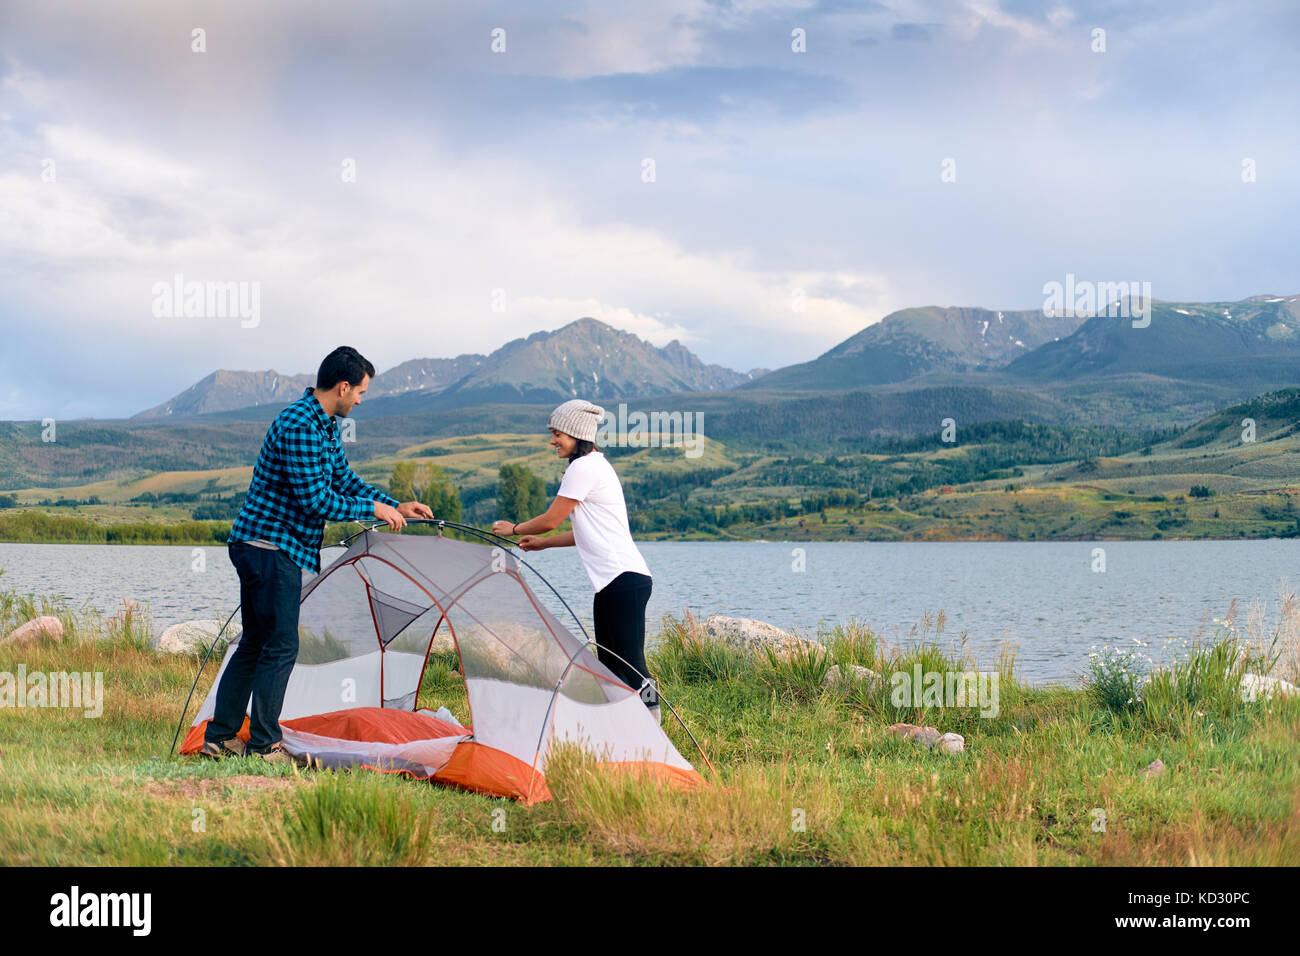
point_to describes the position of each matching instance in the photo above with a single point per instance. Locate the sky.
(758, 179)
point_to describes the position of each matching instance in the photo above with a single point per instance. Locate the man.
(302, 480)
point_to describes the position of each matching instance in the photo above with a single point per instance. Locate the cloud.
(406, 259)
(776, 171)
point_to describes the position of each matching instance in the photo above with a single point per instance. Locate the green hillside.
(1012, 480)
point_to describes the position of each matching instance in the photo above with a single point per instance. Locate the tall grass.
(349, 819)
(754, 815)
(799, 675)
(852, 643)
(685, 656)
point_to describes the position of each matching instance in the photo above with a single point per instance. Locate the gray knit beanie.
(577, 418)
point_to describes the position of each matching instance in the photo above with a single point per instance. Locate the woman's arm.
(543, 523)
(532, 542)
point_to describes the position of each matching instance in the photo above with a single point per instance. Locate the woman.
(592, 497)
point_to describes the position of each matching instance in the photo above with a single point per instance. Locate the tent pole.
(202, 665)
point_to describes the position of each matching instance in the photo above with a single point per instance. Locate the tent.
(368, 624)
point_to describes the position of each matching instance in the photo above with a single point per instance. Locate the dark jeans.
(270, 586)
(619, 616)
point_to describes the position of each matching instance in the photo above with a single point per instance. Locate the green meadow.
(803, 772)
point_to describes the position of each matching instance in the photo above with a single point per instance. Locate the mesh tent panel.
(502, 631)
(392, 614)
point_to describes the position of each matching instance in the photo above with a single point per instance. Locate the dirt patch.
(193, 789)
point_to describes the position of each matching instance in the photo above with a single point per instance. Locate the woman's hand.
(504, 528)
(532, 542)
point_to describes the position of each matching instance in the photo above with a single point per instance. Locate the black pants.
(270, 586)
(619, 616)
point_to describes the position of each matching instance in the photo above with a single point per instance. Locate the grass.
(807, 773)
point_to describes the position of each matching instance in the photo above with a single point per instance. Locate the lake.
(1043, 596)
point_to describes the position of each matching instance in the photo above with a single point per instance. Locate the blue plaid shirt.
(302, 480)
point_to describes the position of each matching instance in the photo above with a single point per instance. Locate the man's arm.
(306, 469)
(346, 482)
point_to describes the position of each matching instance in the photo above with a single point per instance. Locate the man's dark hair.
(344, 364)
(582, 447)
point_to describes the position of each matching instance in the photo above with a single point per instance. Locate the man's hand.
(390, 515)
(414, 509)
(504, 528)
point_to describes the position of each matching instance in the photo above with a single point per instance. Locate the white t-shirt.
(600, 528)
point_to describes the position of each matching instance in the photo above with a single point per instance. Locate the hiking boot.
(277, 754)
(234, 747)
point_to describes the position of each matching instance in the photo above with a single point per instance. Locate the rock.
(951, 743)
(947, 743)
(925, 735)
(755, 636)
(902, 730)
(1155, 768)
(47, 628)
(835, 678)
(195, 637)
(1255, 686)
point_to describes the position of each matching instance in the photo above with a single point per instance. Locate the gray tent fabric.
(392, 614)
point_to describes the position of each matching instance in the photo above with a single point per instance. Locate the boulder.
(756, 637)
(40, 628)
(195, 637)
(1155, 768)
(1255, 686)
(857, 673)
(930, 736)
(922, 735)
(951, 743)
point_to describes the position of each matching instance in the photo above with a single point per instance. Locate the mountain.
(1190, 358)
(913, 342)
(224, 391)
(423, 375)
(586, 358)
(1253, 344)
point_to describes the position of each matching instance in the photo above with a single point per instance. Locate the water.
(1043, 596)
